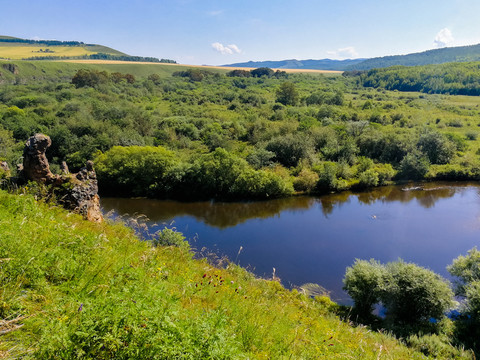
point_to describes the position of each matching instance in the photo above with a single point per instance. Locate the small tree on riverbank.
(412, 295)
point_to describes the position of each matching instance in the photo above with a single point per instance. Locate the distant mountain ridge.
(323, 64)
(429, 57)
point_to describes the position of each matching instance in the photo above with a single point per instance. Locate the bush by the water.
(411, 295)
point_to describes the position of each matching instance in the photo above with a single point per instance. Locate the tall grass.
(70, 289)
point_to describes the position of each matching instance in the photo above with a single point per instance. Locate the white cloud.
(443, 38)
(215, 12)
(226, 49)
(344, 53)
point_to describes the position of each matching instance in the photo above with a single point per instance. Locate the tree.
(239, 73)
(263, 71)
(414, 166)
(437, 147)
(89, 78)
(287, 94)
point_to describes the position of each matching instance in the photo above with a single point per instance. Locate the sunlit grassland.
(60, 70)
(73, 289)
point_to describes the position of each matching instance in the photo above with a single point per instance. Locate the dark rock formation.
(76, 192)
(83, 196)
(12, 68)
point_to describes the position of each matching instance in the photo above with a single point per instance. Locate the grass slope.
(72, 289)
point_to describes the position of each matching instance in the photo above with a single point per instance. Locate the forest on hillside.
(451, 78)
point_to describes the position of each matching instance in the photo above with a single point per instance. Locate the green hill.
(16, 48)
(12, 48)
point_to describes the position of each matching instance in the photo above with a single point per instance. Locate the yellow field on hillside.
(17, 52)
(81, 61)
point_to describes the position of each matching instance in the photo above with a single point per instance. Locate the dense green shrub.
(438, 346)
(169, 237)
(221, 174)
(306, 180)
(362, 282)
(411, 295)
(414, 166)
(89, 78)
(290, 149)
(325, 97)
(385, 173)
(260, 158)
(327, 177)
(135, 170)
(368, 178)
(437, 147)
(287, 94)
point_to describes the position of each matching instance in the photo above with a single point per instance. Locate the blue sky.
(227, 31)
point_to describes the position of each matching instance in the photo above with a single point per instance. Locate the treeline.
(452, 78)
(258, 72)
(103, 56)
(199, 74)
(44, 42)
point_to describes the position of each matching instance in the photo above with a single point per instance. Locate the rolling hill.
(12, 48)
(16, 48)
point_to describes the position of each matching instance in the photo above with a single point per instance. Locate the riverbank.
(74, 289)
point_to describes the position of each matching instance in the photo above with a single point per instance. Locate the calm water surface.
(313, 240)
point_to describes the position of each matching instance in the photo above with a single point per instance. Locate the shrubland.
(279, 133)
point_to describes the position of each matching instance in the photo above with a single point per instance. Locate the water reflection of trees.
(426, 195)
(217, 214)
(227, 214)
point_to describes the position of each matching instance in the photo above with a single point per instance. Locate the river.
(314, 239)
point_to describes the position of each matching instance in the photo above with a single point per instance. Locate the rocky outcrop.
(76, 192)
(12, 68)
(83, 195)
(35, 163)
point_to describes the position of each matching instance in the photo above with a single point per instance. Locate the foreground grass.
(73, 289)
